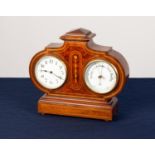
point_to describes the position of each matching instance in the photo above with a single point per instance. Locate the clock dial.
(50, 72)
(101, 76)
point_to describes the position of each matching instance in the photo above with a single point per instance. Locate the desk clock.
(79, 78)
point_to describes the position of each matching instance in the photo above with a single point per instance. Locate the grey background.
(22, 37)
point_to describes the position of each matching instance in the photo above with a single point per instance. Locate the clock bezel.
(37, 63)
(33, 64)
(99, 60)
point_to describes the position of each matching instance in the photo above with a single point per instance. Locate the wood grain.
(76, 52)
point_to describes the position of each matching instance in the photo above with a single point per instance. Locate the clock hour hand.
(44, 71)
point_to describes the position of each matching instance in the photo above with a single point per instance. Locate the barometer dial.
(101, 76)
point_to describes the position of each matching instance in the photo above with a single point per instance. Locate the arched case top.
(76, 52)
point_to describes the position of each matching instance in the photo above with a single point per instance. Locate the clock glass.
(50, 72)
(101, 76)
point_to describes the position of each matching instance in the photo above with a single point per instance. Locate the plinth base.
(86, 107)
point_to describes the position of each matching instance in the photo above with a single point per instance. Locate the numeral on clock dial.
(50, 72)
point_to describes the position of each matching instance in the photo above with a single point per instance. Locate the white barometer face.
(50, 72)
(101, 76)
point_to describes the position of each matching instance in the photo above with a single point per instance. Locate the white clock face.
(50, 72)
(101, 76)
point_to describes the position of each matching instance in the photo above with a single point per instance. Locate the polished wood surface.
(78, 107)
(76, 52)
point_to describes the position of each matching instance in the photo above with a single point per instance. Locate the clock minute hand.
(56, 75)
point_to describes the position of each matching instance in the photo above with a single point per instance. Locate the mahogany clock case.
(74, 98)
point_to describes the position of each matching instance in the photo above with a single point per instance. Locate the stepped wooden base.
(95, 108)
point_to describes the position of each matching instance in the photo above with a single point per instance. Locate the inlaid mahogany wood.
(74, 98)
